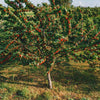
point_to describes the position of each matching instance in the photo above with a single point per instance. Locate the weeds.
(23, 93)
(44, 96)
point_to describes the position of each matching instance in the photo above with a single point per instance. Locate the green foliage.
(51, 32)
(45, 96)
(5, 86)
(84, 99)
(23, 93)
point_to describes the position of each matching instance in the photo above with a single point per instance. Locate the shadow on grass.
(26, 84)
(2, 78)
(64, 73)
(37, 83)
(25, 76)
(69, 75)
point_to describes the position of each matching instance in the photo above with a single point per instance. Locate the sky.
(83, 3)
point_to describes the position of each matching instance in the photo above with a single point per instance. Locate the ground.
(71, 81)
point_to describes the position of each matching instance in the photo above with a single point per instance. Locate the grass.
(71, 81)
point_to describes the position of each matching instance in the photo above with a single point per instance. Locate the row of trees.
(52, 32)
(92, 12)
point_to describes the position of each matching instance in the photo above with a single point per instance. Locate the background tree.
(49, 33)
(65, 3)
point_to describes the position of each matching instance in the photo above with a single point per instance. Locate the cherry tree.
(49, 33)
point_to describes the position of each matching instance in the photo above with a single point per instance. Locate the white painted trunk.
(49, 80)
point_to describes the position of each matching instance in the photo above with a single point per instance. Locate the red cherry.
(68, 22)
(4, 10)
(59, 11)
(24, 57)
(25, 19)
(37, 39)
(29, 54)
(20, 55)
(18, 35)
(25, 1)
(66, 18)
(49, 19)
(29, 31)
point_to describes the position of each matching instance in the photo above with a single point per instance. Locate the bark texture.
(49, 80)
(48, 74)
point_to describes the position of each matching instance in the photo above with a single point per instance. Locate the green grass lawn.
(71, 81)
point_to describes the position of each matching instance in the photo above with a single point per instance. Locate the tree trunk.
(49, 80)
(48, 73)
